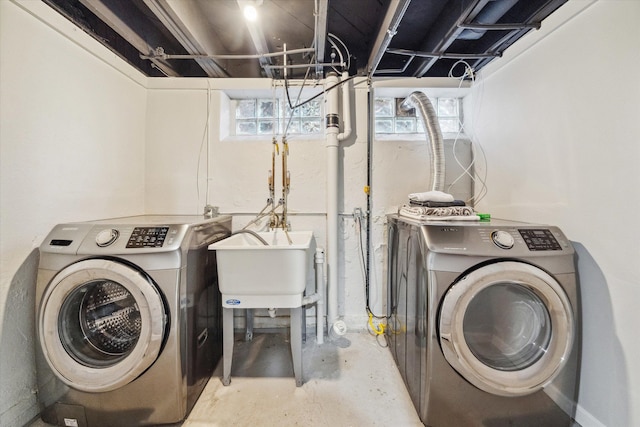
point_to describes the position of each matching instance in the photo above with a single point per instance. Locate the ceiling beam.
(320, 33)
(188, 28)
(444, 34)
(395, 12)
(258, 39)
(111, 18)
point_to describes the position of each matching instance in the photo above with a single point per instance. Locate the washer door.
(101, 324)
(507, 328)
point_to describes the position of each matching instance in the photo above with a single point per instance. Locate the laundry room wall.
(180, 180)
(184, 129)
(72, 132)
(559, 123)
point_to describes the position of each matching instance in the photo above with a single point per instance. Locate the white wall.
(561, 127)
(72, 132)
(177, 147)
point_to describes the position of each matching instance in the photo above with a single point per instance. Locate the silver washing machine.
(128, 319)
(484, 321)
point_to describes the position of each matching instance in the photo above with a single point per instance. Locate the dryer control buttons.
(107, 237)
(502, 239)
(541, 239)
(148, 237)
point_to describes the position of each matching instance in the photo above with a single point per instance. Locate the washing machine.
(484, 321)
(128, 319)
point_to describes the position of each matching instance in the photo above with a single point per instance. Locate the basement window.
(270, 117)
(391, 119)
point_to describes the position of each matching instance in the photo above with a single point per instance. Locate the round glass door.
(101, 324)
(507, 328)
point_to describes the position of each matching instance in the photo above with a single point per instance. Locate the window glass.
(384, 107)
(391, 119)
(246, 109)
(269, 116)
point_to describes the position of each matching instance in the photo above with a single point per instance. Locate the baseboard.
(586, 419)
(581, 416)
(566, 404)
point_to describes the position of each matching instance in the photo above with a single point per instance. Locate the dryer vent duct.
(427, 113)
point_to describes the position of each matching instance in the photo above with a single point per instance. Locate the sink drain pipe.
(336, 327)
(318, 297)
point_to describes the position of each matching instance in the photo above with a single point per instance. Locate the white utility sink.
(254, 275)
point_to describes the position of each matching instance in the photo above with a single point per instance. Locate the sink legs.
(227, 342)
(296, 343)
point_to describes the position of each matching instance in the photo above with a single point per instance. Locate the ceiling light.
(250, 13)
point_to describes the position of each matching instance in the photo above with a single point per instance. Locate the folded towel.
(434, 196)
(432, 204)
(453, 213)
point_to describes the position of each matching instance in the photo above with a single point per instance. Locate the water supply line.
(427, 113)
(336, 327)
(286, 184)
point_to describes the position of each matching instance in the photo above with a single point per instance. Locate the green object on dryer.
(484, 216)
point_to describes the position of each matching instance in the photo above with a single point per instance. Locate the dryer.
(128, 319)
(484, 321)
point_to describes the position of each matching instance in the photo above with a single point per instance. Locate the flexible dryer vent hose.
(427, 113)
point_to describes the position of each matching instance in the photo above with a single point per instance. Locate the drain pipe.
(318, 297)
(336, 327)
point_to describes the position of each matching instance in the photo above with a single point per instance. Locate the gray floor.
(349, 382)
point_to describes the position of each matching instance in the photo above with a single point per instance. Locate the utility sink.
(254, 275)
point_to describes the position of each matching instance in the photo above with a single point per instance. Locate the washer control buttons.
(107, 237)
(502, 239)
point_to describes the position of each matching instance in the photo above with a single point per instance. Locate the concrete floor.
(350, 382)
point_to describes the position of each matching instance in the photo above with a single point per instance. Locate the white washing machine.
(128, 319)
(485, 321)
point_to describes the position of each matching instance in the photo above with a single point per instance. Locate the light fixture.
(250, 9)
(250, 13)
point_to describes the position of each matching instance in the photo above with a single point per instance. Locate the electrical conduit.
(336, 327)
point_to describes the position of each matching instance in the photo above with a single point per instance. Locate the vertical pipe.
(336, 327)
(320, 291)
(332, 130)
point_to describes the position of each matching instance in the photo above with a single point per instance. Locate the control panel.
(540, 239)
(147, 237)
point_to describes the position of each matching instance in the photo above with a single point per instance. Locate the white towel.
(453, 213)
(431, 196)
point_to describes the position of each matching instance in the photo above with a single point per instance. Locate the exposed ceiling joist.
(259, 40)
(320, 38)
(187, 28)
(392, 19)
(392, 38)
(126, 31)
(448, 30)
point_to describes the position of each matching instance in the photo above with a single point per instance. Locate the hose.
(254, 234)
(424, 108)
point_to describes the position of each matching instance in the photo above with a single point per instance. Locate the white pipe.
(336, 327)
(318, 296)
(322, 296)
(346, 109)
